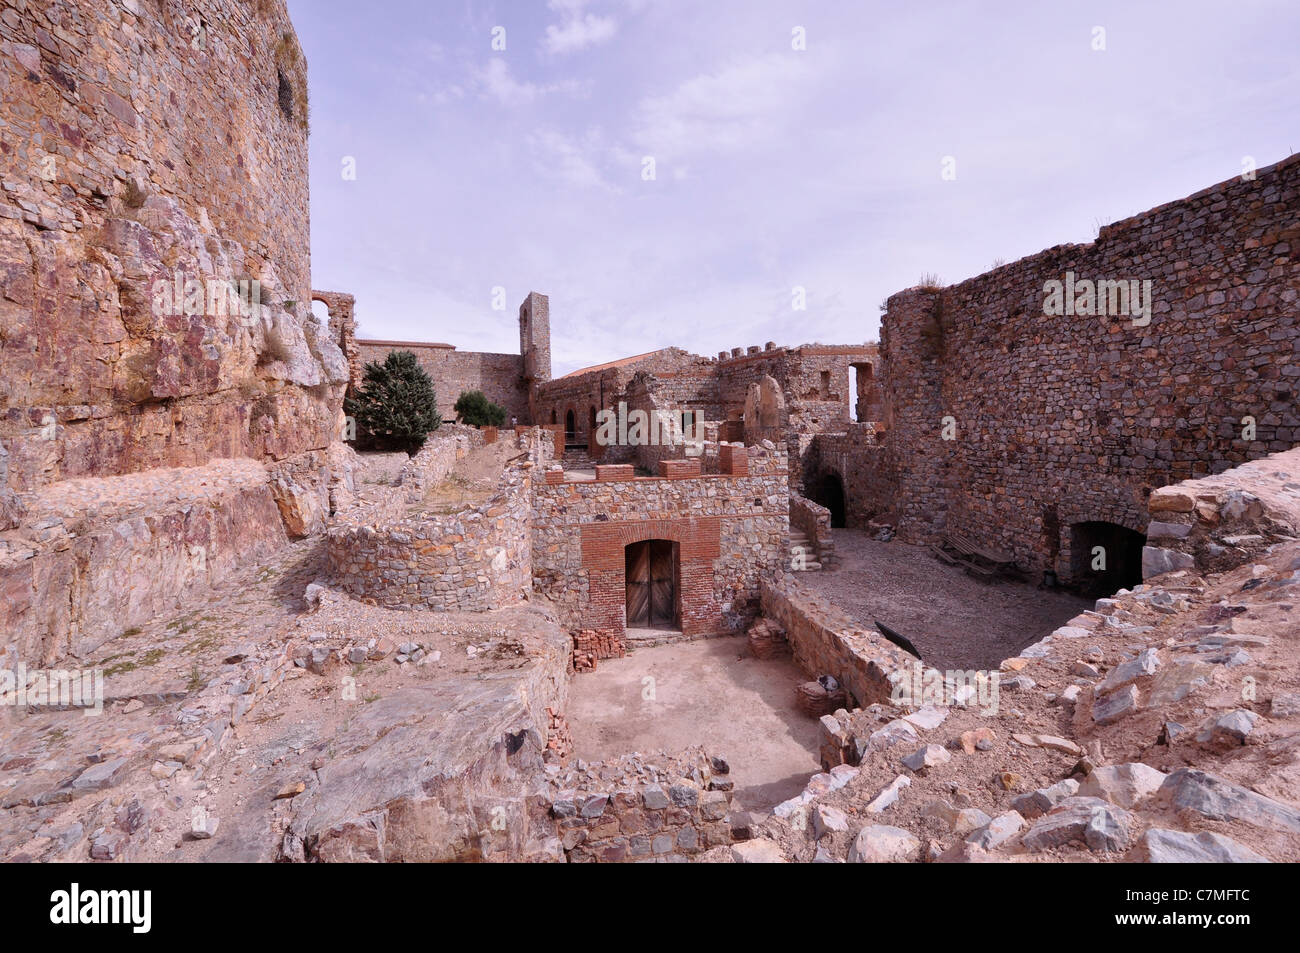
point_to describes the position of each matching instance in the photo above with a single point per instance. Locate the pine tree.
(473, 408)
(395, 404)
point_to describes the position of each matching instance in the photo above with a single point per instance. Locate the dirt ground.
(712, 692)
(954, 620)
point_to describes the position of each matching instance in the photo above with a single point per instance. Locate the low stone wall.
(95, 557)
(827, 642)
(814, 521)
(476, 560)
(1219, 522)
(434, 461)
(638, 809)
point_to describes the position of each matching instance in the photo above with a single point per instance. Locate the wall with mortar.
(499, 376)
(1066, 419)
(730, 529)
(144, 141)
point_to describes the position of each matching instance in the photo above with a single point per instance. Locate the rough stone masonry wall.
(1074, 418)
(499, 376)
(859, 458)
(659, 809)
(141, 141)
(730, 531)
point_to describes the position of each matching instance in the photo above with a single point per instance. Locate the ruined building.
(384, 647)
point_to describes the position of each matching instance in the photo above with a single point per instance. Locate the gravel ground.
(953, 619)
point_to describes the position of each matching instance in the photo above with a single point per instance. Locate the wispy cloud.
(578, 30)
(498, 82)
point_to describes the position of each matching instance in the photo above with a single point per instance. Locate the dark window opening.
(285, 95)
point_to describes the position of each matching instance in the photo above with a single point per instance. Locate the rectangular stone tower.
(535, 345)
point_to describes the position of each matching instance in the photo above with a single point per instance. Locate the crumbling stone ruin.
(301, 653)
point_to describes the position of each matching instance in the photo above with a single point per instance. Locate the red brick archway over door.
(604, 557)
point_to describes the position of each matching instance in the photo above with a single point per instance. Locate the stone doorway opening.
(652, 568)
(1104, 558)
(829, 492)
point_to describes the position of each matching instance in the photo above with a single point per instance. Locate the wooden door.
(652, 584)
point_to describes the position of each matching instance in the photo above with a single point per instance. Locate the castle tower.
(535, 345)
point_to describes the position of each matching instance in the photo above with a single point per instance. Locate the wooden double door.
(652, 585)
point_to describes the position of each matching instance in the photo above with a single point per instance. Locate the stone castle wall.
(499, 376)
(1065, 419)
(146, 142)
(731, 529)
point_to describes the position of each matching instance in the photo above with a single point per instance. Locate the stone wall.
(473, 560)
(825, 641)
(642, 809)
(1062, 420)
(499, 376)
(861, 460)
(146, 144)
(730, 530)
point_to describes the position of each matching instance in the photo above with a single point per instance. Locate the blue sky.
(775, 168)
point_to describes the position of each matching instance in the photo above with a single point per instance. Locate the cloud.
(497, 82)
(573, 161)
(578, 33)
(731, 109)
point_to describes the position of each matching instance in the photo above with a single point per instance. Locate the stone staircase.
(812, 559)
(577, 459)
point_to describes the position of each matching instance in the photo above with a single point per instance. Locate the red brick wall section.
(603, 556)
(614, 472)
(679, 469)
(734, 459)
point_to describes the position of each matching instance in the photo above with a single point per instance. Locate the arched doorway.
(570, 428)
(829, 492)
(1104, 558)
(652, 585)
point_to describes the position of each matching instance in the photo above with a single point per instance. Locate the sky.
(679, 172)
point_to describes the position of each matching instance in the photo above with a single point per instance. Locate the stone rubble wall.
(474, 560)
(1219, 522)
(860, 457)
(825, 641)
(655, 809)
(1066, 419)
